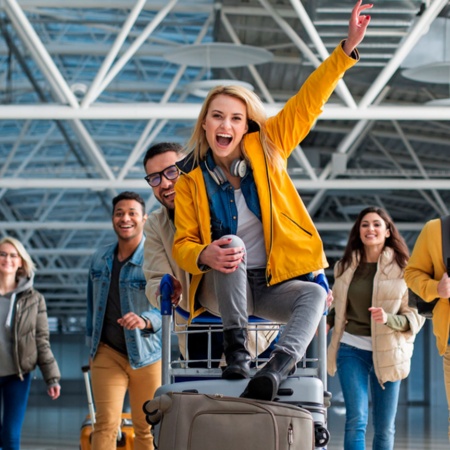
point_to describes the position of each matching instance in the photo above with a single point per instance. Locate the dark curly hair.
(128, 195)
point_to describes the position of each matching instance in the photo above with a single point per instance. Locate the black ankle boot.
(236, 354)
(264, 385)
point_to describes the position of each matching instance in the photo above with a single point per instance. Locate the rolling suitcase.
(304, 392)
(125, 435)
(189, 421)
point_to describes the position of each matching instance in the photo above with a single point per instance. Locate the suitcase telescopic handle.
(87, 383)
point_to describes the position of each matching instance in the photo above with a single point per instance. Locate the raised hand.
(357, 27)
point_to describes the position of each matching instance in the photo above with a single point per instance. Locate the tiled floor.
(56, 426)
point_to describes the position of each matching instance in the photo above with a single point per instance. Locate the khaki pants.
(112, 376)
(446, 360)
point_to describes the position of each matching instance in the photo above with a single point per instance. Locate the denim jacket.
(143, 346)
(221, 200)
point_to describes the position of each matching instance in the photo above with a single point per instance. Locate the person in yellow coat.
(426, 275)
(242, 230)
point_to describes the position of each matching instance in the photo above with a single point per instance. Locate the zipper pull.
(290, 434)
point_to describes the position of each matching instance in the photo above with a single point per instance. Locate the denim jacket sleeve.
(154, 316)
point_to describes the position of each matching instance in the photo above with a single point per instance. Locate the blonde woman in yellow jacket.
(426, 275)
(242, 230)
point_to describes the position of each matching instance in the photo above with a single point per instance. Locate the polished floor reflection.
(56, 425)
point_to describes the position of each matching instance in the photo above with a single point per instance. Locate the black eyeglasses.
(154, 179)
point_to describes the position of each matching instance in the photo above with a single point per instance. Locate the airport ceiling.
(87, 85)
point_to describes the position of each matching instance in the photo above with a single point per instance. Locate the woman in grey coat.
(24, 340)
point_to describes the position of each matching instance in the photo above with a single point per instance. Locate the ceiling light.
(429, 60)
(432, 47)
(439, 102)
(218, 55)
(430, 73)
(202, 87)
(78, 88)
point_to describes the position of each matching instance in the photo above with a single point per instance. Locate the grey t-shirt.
(7, 366)
(6, 342)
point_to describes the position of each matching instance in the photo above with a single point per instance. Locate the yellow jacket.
(293, 245)
(422, 274)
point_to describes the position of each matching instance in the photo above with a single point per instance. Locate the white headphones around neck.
(238, 168)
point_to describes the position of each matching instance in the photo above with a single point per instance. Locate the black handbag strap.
(445, 231)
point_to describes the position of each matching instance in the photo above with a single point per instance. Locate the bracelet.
(146, 322)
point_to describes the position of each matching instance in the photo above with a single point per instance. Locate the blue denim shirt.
(223, 210)
(144, 347)
(224, 215)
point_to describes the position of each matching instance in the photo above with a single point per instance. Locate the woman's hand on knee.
(225, 260)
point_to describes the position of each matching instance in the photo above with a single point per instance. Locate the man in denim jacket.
(123, 331)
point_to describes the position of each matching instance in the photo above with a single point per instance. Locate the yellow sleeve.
(425, 266)
(290, 126)
(188, 242)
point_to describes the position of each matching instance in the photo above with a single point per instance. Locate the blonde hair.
(28, 266)
(256, 116)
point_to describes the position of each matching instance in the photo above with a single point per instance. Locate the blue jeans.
(355, 369)
(296, 303)
(13, 398)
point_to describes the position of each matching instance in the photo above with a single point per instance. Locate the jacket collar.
(186, 164)
(137, 258)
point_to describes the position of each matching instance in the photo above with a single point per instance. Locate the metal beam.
(321, 226)
(376, 184)
(190, 111)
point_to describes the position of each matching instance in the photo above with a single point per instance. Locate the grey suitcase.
(189, 421)
(304, 392)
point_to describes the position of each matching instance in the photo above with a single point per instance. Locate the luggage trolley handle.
(322, 280)
(166, 291)
(87, 382)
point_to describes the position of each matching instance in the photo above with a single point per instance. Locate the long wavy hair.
(28, 266)
(355, 245)
(256, 118)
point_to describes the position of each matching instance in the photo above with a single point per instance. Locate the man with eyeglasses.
(162, 174)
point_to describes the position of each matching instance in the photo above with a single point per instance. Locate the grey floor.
(56, 425)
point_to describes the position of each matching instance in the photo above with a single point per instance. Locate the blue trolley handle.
(166, 290)
(322, 280)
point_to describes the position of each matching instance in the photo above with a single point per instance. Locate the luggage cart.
(306, 388)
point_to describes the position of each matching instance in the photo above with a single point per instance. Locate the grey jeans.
(234, 296)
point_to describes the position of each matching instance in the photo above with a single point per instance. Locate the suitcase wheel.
(321, 435)
(153, 419)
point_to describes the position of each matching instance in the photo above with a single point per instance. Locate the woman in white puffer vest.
(373, 327)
